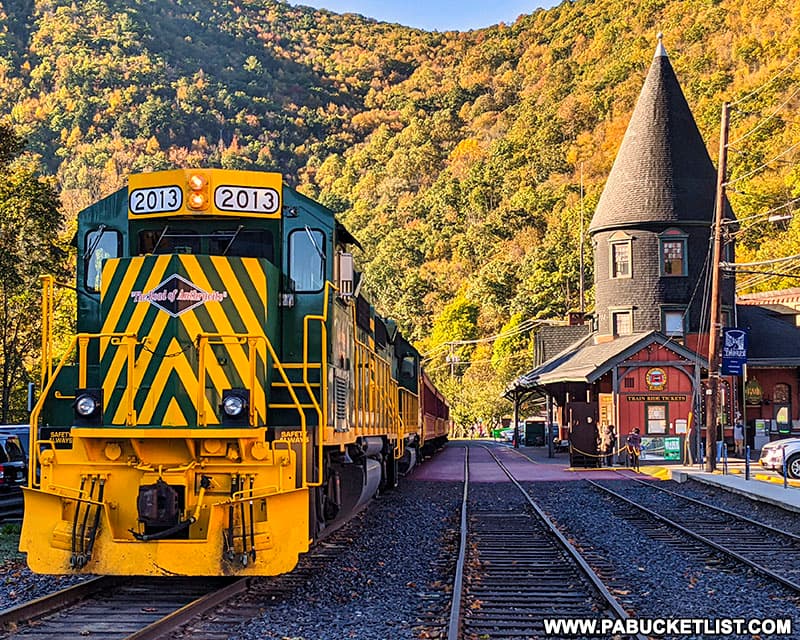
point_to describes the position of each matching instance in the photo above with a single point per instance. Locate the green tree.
(30, 221)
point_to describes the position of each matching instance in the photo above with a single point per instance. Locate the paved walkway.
(765, 486)
(448, 465)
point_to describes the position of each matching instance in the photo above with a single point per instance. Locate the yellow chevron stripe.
(259, 278)
(142, 362)
(173, 416)
(214, 370)
(109, 269)
(122, 296)
(181, 366)
(223, 325)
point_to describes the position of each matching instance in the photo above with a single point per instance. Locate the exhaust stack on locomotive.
(229, 393)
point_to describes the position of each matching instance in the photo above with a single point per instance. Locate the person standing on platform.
(603, 444)
(634, 443)
(612, 436)
(738, 439)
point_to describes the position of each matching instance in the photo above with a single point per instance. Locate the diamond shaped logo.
(176, 295)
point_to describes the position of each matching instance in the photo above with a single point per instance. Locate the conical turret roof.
(662, 172)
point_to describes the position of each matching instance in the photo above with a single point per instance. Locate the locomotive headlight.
(196, 182)
(235, 406)
(86, 405)
(197, 198)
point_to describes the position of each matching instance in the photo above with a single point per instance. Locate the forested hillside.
(455, 158)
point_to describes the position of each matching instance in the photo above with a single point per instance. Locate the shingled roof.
(774, 338)
(662, 172)
(587, 361)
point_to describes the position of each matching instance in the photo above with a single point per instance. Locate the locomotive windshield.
(257, 243)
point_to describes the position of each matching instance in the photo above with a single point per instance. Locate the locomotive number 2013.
(156, 199)
(246, 199)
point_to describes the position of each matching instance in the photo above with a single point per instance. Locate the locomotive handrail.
(37, 409)
(251, 339)
(390, 410)
(48, 283)
(322, 412)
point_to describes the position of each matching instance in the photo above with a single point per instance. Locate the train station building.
(640, 359)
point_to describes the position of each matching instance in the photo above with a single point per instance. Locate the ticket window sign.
(661, 448)
(734, 351)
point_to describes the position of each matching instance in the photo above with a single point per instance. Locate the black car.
(13, 462)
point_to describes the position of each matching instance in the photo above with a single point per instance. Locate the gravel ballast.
(660, 579)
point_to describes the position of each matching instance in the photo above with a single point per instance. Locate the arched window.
(673, 252)
(620, 255)
(782, 407)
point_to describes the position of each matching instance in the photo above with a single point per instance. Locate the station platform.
(765, 486)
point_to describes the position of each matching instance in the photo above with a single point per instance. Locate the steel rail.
(772, 530)
(52, 602)
(596, 590)
(135, 608)
(596, 581)
(454, 628)
(172, 621)
(697, 536)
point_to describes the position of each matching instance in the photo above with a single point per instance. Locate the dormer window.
(620, 254)
(673, 253)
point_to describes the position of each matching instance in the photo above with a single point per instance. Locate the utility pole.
(580, 254)
(452, 358)
(712, 393)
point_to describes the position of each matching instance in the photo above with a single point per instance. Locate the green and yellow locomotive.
(229, 393)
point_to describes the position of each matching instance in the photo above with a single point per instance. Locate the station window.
(307, 259)
(656, 418)
(101, 244)
(621, 260)
(673, 323)
(622, 323)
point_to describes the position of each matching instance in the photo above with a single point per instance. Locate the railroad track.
(772, 552)
(112, 608)
(515, 568)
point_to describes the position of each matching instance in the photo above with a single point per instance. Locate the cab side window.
(100, 244)
(307, 259)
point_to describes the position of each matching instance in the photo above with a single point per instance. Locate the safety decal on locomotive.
(177, 295)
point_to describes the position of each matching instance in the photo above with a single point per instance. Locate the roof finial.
(660, 50)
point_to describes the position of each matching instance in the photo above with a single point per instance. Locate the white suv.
(773, 453)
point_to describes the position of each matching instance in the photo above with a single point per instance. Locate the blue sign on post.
(734, 351)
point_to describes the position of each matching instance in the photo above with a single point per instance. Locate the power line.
(764, 121)
(764, 85)
(523, 327)
(766, 164)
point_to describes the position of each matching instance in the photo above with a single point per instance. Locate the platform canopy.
(586, 361)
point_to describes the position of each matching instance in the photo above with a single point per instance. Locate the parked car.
(22, 431)
(13, 462)
(773, 453)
